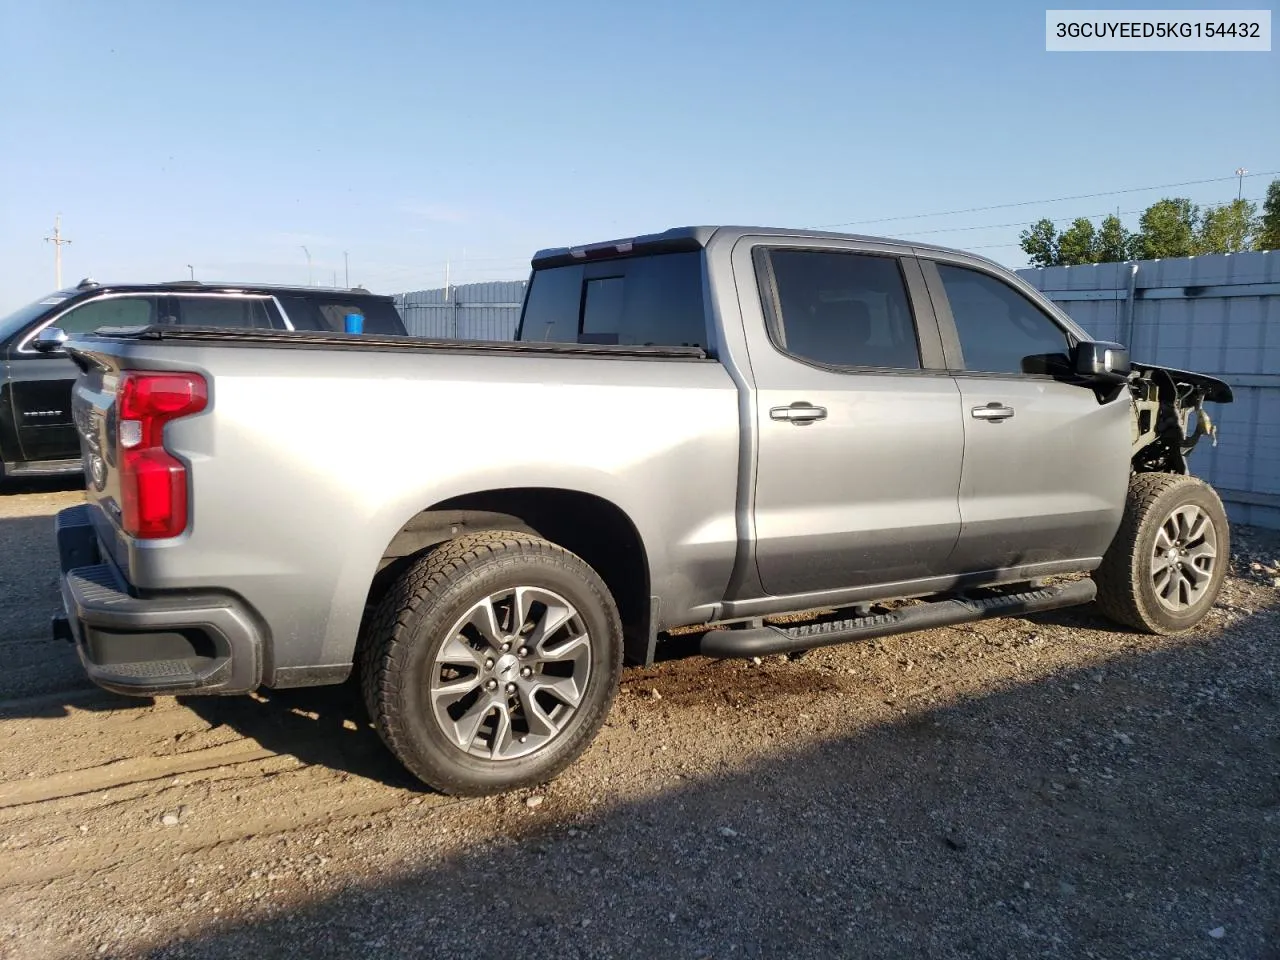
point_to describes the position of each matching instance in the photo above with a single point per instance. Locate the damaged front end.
(1169, 416)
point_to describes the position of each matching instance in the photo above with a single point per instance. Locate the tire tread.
(1119, 583)
(388, 633)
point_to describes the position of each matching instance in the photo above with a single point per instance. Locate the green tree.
(1168, 229)
(1114, 243)
(1268, 237)
(1077, 243)
(1228, 228)
(1040, 244)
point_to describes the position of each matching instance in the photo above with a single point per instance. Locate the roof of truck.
(221, 286)
(694, 238)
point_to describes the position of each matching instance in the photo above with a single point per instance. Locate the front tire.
(491, 663)
(1163, 570)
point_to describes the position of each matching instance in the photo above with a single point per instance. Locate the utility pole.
(310, 281)
(346, 271)
(1240, 172)
(57, 240)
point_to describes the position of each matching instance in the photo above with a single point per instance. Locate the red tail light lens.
(153, 482)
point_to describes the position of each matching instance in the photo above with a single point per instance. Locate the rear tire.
(1166, 564)
(468, 678)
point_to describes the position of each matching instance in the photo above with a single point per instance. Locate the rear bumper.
(172, 643)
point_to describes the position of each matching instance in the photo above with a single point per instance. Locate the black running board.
(761, 641)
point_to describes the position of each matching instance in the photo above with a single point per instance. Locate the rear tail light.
(153, 482)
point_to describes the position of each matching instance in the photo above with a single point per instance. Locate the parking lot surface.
(1049, 787)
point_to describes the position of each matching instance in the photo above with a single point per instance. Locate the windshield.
(24, 315)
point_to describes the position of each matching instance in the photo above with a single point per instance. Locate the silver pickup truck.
(708, 427)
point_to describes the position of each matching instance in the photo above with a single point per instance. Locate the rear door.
(1046, 463)
(42, 382)
(858, 422)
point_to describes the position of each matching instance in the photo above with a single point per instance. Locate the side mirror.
(1101, 361)
(49, 340)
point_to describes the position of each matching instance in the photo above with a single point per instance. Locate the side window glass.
(303, 313)
(316, 313)
(109, 312)
(1000, 330)
(222, 312)
(844, 309)
(379, 317)
(552, 305)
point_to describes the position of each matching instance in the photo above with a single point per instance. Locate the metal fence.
(469, 311)
(1217, 315)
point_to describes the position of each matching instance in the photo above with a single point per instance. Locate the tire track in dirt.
(45, 864)
(126, 772)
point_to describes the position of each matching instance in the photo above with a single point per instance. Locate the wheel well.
(595, 529)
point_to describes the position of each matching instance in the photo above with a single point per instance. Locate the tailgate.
(93, 408)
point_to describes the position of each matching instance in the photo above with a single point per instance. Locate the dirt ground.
(1049, 787)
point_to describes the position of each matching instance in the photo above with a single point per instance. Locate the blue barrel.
(354, 323)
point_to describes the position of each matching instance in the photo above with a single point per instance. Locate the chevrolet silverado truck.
(705, 428)
(37, 434)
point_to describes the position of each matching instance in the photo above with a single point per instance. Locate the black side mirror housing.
(1101, 361)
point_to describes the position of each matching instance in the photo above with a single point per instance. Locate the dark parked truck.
(707, 427)
(37, 435)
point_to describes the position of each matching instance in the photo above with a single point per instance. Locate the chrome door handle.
(800, 413)
(995, 410)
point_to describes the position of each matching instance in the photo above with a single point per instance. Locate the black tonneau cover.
(316, 339)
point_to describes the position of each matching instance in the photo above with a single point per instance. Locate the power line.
(1026, 223)
(1028, 203)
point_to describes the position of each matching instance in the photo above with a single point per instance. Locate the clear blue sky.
(228, 134)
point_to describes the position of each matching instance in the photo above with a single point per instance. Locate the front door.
(1046, 463)
(859, 435)
(42, 382)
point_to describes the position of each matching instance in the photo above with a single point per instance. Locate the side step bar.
(42, 468)
(761, 641)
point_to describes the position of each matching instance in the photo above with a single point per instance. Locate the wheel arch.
(591, 526)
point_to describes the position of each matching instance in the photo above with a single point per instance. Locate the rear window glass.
(637, 301)
(329, 313)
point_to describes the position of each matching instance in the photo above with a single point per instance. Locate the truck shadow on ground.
(57, 484)
(1123, 810)
(327, 726)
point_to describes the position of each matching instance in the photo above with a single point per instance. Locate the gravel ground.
(1049, 787)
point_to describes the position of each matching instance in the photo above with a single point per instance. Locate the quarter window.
(321, 312)
(844, 309)
(1000, 330)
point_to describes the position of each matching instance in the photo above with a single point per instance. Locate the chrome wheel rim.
(511, 673)
(1184, 558)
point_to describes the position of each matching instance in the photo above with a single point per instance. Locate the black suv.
(37, 436)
